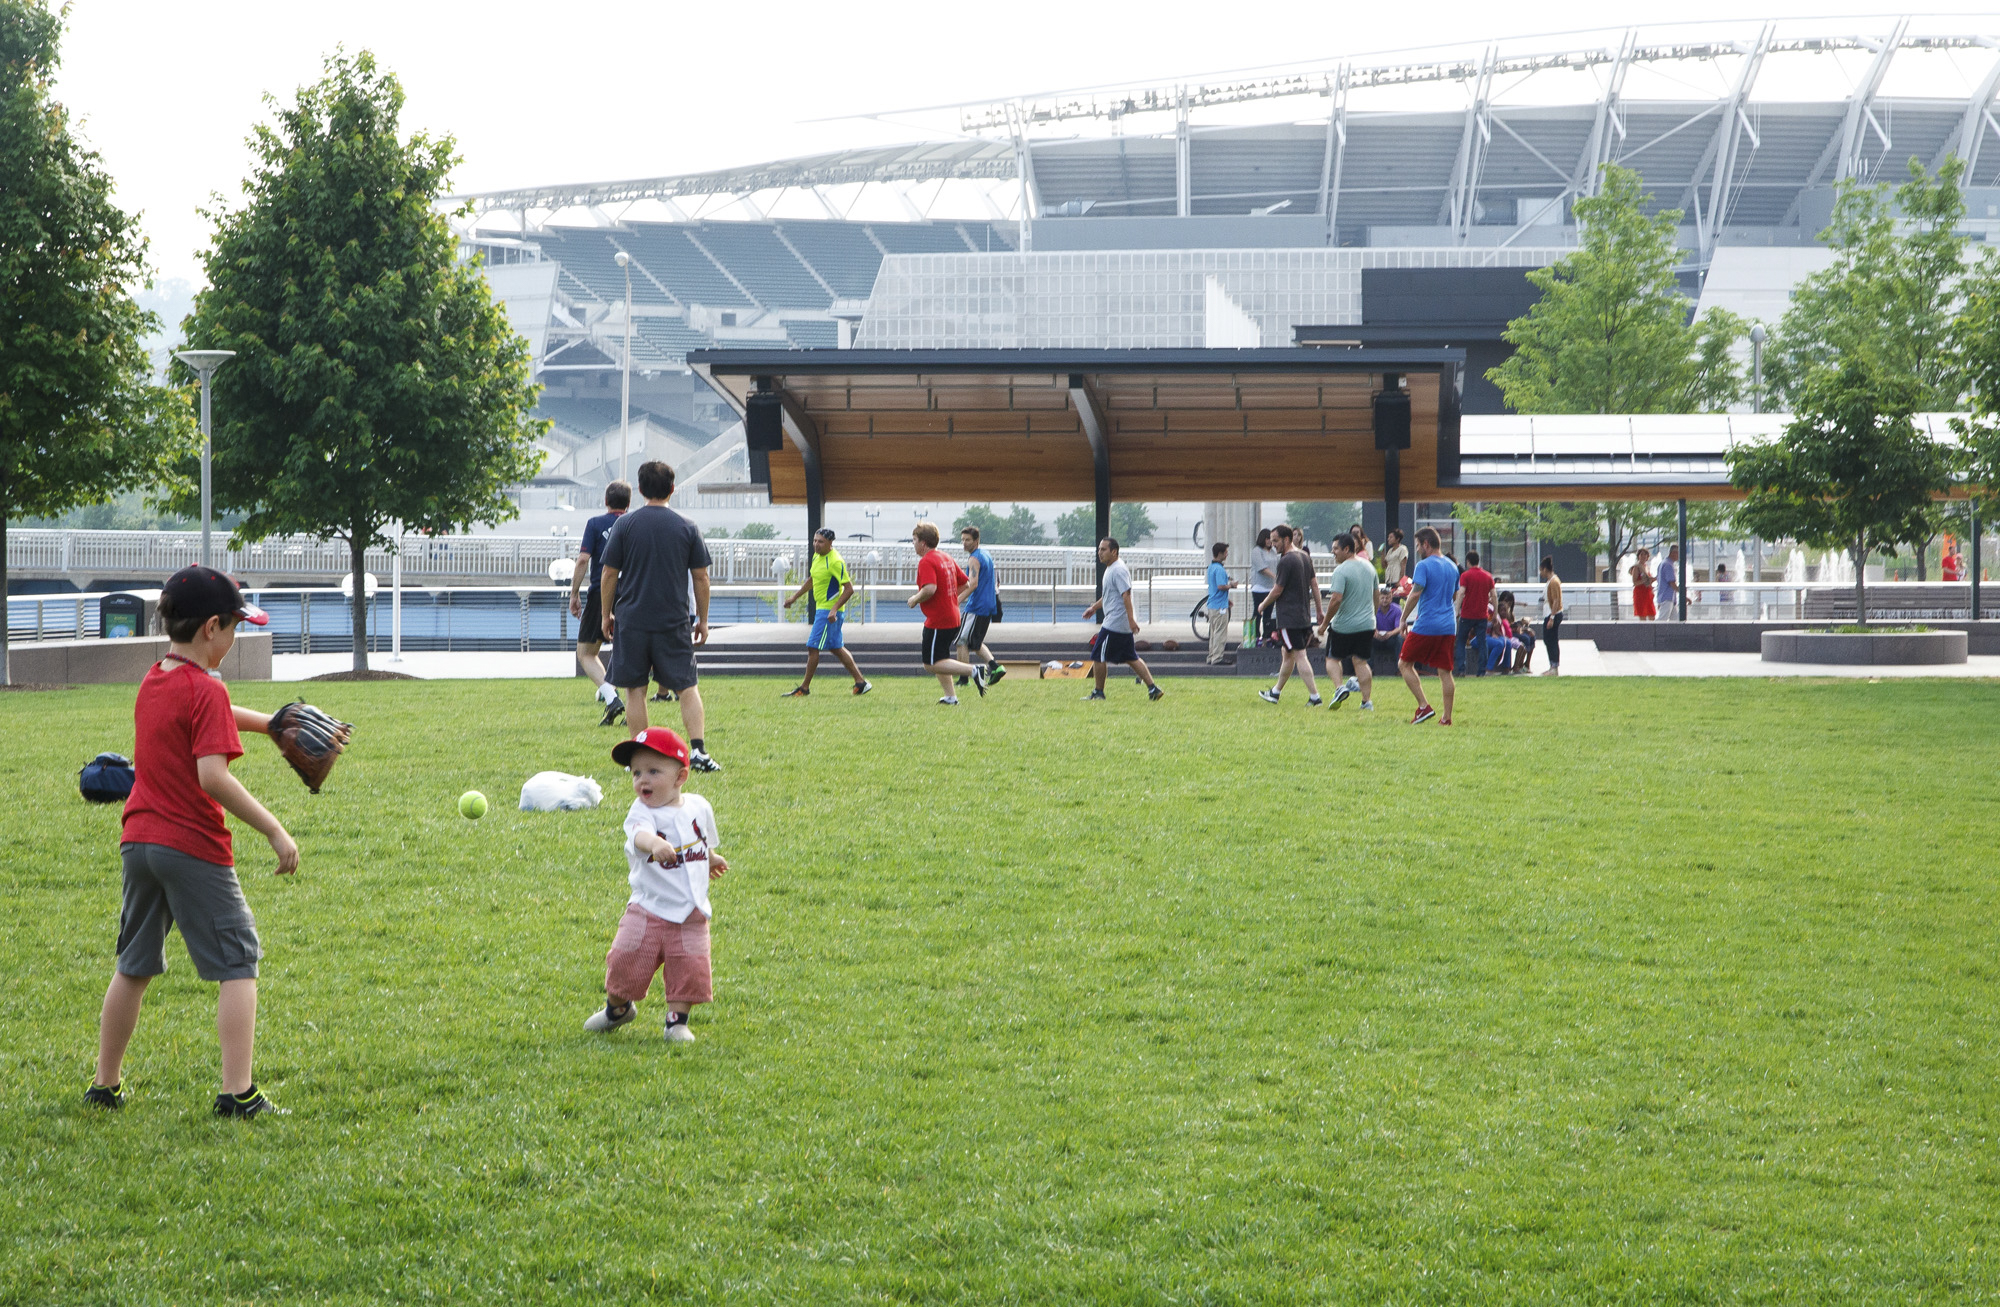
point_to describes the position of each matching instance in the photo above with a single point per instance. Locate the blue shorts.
(826, 631)
(1113, 647)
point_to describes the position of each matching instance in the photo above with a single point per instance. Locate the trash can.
(127, 613)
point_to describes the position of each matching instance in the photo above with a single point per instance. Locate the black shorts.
(1350, 647)
(972, 632)
(1109, 646)
(664, 656)
(938, 641)
(590, 627)
(1296, 637)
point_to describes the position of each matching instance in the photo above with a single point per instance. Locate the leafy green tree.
(1891, 295)
(80, 419)
(1130, 523)
(1023, 529)
(1077, 527)
(1851, 472)
(376, 379)
(992, 526)
(757, 531)
(1323, 519)
(1611, 332)
(1976, 337)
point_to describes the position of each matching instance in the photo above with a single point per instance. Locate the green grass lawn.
(1617, 991)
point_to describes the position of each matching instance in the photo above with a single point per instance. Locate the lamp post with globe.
(205, 362)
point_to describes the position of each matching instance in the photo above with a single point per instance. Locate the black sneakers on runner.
(796, 692)
(863, 687)
(109, 1097)
(700, 761)
(1155, 693)
(979, 679)
(1094, 694)
(1268, 695)
(614, 712)
(995, 673)
(247, 1104)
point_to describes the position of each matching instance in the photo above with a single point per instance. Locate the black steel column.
(1681, 573)
(1972, 511)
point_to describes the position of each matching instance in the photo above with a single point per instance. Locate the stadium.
(1395, 201)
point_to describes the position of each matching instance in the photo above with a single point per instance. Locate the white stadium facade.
(1380, 202)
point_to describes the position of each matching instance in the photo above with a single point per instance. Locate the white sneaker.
(700, 761)
(603, 1020)
(1367, 705)
(949, 701)
(1268, 695)
(677, 1032)
(1352, 685)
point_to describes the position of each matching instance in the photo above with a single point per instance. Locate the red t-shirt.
(1952, 568)
(941, 609)
(181, 714)
(1477, 583)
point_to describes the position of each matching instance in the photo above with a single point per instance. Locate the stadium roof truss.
(1730, 159)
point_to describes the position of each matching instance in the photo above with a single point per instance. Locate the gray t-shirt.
(1117, 583)
(1294, 607)
(1354, 582)
(654, 549)
(1262, 563)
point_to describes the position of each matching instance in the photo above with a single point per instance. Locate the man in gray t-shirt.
(655, 585)
(1113, 642)
(1353, 622)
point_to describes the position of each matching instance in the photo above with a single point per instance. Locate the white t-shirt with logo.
(672, 892)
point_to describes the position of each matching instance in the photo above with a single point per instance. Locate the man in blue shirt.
(1667, 585)
(583, 604)
(1430, 626)
(1219, 586)
(978, 605)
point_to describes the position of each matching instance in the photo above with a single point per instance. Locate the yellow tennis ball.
(472, 804)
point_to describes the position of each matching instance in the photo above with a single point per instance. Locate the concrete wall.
(1735, 637)
(104, 662)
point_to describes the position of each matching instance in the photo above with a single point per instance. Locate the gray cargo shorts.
(663, 656)
(165, 888)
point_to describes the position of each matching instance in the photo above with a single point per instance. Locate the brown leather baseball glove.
(310, 740)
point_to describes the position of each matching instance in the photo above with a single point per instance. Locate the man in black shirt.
(1293, 604)
(655, 584)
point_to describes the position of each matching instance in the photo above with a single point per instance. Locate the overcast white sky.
(544, 93)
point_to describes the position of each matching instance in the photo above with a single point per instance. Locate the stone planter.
(1907, 649)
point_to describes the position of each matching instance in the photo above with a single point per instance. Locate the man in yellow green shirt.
(831, 587)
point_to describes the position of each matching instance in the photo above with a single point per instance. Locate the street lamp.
(205, 362)
(625, 396)
(873, 511)
(1757, 338)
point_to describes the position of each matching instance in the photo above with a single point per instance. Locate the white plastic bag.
(554, 791)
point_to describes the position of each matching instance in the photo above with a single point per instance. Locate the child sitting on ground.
(670, 846)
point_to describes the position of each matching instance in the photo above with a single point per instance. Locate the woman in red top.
(1643, 607)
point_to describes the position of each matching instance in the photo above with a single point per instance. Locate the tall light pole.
(205, 362)
(625, 395)
(1757, 338)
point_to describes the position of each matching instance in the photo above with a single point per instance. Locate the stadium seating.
(591, 258)
(682, 268)
(840, 252)
(758, 259)
(671, 336)
(812, 333)
(921, 237)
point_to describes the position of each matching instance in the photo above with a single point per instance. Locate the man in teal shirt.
(1353, 621)
(1219, 586)
(831, 588)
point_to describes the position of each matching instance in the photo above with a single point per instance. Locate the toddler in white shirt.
(670, 841)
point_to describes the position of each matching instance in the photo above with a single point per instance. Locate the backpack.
(107, 778)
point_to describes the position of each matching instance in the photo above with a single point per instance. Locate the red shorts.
(646, 944)
(1427, 651)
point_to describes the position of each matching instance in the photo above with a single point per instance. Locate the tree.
(992, 526)
(1323, 519)
(1130, 523)
(80, 420)
(1976, 337)
(1077, 527)
(1611, 332)
(1023, 529)
(757, 531)
(376, 379)
(1852, 470)
(1890, 296)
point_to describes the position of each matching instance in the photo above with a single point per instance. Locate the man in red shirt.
(179, 866)
(938, 580)
(1475, 594)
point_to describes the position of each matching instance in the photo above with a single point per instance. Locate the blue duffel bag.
(107, 778)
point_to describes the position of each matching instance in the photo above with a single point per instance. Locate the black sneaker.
(109, 1097)
(979, 680)
(247, 1105)
(666, 696)
(700, 761)
(863, 687)
(614, 712)
(1094, 694)
(965, 680)
(796, 692)
(996, 673)
(1155, 693)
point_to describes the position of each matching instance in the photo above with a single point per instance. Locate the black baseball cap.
(200, 593)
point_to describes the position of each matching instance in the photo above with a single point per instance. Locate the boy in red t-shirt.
(179, 868)
(938, 580)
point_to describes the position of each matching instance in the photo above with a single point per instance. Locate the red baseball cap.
(657, 738)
